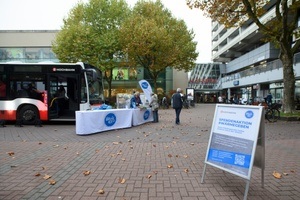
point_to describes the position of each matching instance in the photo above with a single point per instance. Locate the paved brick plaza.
(152, 161)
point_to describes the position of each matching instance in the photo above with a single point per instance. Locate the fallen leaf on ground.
(149, 176)
(120, 152)
(101, 191)
(52, 182)
(11, 153)
(122, 180)
(37, 174)
(46, 176)
(170, 166)
(87, 173)
(276, 175)
(186, 170)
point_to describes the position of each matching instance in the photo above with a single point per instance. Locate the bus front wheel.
(29, 115)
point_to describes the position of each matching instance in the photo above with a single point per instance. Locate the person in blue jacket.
(135, 100)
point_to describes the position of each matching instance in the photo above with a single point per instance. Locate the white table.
(89, 122)
(141, 116)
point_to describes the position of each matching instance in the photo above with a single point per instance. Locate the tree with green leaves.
(154, 39)
(278, 30)
(90, 34)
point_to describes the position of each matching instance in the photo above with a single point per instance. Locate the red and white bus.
(33, 92)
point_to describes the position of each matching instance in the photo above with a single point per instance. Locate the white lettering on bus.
(63, 70)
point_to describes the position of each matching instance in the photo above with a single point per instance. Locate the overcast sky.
(49, 14)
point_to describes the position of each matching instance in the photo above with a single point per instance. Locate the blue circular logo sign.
(110, 119)
(249, 114)
(146, 114)
(145, 85)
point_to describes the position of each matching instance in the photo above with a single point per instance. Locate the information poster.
(233, 138)
(190, 94)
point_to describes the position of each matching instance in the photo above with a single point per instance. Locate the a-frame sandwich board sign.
(237, 132)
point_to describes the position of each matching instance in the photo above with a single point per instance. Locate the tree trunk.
(155, 84)
(288, 81)
(108, 78)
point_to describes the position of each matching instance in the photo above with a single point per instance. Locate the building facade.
(32, 46)
(251, 67)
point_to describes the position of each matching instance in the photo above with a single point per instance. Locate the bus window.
(2, 86)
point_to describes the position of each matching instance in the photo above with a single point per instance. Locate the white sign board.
(233, 138)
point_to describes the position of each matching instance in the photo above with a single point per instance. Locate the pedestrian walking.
(154, 106)
(177, 103)
(165, 103)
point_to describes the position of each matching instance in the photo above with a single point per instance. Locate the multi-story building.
(251, 66)
(35, 46)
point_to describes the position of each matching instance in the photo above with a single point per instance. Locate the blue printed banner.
(231, 158)
(147, 89)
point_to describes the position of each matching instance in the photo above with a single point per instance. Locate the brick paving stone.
(134, 154)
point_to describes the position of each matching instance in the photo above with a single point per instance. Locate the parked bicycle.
(272, 113)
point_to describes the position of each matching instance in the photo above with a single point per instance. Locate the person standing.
(220, 99)
(135, 100)
(269, 99)
(177, 103)
(138, 100)
(154, 107)
(165, 102)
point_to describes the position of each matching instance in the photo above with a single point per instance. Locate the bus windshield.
(95, 88)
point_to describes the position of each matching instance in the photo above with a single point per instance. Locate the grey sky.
(49, 14)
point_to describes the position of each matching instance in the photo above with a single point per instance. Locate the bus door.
(63, 96)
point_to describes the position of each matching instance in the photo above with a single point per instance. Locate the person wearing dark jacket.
(177, 103)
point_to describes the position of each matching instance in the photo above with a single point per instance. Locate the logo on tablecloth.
(110, 119)
(146, 114)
